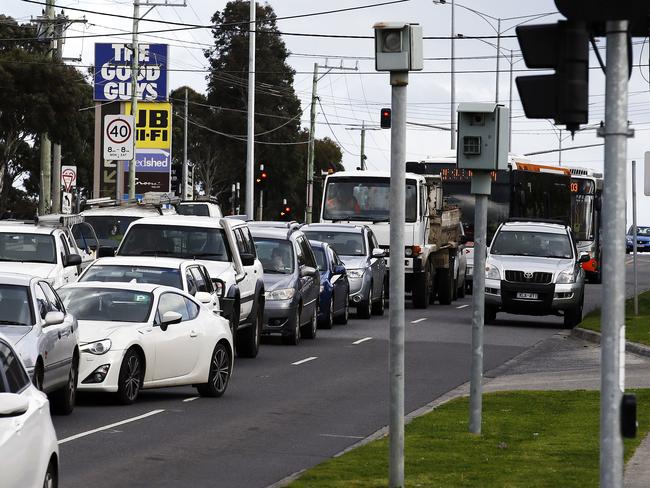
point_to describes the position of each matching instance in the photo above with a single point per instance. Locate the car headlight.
(628, 239)
(492, 272)
(282, 294)
(356, 273)
(97, 347)
(566, 276)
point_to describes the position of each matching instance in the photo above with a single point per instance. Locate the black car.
(291, 281)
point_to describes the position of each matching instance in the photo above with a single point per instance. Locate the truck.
(431, 228)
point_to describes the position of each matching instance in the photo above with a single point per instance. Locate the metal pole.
(613, 311)
(46, 145)
(363, 146)
(398, 81)
(135, 67)
(250, 143)
(237, 199)
(310, 148)
(185, 165)
(559, 154)
(634, 255)
(452, 111)
(261, 207)
(56, 148)
(478, 302)
(496, 97)
(510, 106)
(233, 198)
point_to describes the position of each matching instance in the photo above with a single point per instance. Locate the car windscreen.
(177, 241)
(640, 231)
(321, 261)
(30, 248)
(15, 307)
(276, 255)
(200, 209)
(365, 199)
(109, 227)
(139, 274)
(107, 304)
(344, 243)
(527, 243)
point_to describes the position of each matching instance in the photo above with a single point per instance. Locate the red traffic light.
(287, 209)
(385, 120)
(264, 175)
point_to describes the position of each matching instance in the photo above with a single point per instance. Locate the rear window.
(200, 209)
(344, 243)
(319, 252)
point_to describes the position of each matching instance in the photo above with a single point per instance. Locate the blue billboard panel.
(113, 72)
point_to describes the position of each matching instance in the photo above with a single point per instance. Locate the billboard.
(153, 125)
(152, 171)
(113, 72)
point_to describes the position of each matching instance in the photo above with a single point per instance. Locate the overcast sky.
(349, 98)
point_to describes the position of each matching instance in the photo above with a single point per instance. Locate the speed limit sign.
(119, 137)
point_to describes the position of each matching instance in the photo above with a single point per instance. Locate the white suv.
(533, 268)
(226, 249)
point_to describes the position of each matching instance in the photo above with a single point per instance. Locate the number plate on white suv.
(527, 296)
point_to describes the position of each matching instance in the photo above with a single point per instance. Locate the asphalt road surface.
(288, 409)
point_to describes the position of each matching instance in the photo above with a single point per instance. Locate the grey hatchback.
(291, 281)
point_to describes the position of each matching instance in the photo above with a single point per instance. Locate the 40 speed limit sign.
(119, 137)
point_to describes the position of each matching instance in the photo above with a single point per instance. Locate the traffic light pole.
(260, 211)
(399, 82)
(185, 165)
(614, 206)
(634, 243)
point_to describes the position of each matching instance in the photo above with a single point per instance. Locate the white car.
(44, 334)
(136, 336)
(226, 248)
(201, 206)
(190, 276)
(29, 453)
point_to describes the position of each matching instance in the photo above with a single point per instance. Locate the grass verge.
(530, 439)
(637, 328)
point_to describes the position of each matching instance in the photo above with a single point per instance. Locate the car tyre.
(445, 286)
(51, 479)
(422, 289)
(343, 317)
(461, 290)
(293, 338)
(378, 307)
(364, 308)
(490, 314)
(573, 316)
(219, 373)
(327, 322)
(37, 379)
(63, 400)
(311, 328)
(248, 339)
(130, 378)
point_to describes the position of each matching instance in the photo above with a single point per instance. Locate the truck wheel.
(461, 290)
(446, 286)
(422, 289)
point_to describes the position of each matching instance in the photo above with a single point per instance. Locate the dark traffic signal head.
(385, 118)
(562, 96)
(261, 178)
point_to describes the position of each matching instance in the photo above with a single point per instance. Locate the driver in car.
(343, 200)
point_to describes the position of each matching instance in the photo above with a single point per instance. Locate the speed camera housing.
(398, 46)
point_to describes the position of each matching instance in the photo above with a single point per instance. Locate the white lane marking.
(190, 399)
(304, 360)
(463, 306)
(342, 436)
(417, 321)
(110, 426)
(362, 340)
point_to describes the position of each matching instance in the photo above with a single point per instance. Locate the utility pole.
(260, 210)
(510, 107)
(135, 60)
(312, 135)
(612, 350)
(56, 148)
(44, 196)
(250, 142)
(185, 165)
(496, 96)
(634, 256)
(452, 111)
(362, 157)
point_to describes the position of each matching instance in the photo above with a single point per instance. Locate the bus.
(586, 204)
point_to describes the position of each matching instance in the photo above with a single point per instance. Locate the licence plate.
(527, 296)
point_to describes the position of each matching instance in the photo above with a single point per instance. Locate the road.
(288, 409)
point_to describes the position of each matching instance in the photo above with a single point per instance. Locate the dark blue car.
(334, 286)
(642, 239)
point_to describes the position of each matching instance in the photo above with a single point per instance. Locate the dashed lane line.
(110, 426)
(463, 306)
(302, 361)
(339, 436)
(362, 340)
(417, 321)
(190, 399)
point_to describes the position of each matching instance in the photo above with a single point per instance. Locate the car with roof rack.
(202, 206)
(533, 268)
(225, 247)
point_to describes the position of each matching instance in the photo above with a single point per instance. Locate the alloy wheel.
(132, 380)
(220, 369)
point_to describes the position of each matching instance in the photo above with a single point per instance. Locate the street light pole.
(250, 142)
(496, 96)
(452, 111)
(135, 59)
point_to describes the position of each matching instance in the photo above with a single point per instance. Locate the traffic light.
(562, 96)
(285, 211)
(262, 177)
(385, 118)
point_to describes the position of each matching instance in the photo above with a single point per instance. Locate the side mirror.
(378, 253)
(105, 252)
(203, 297)
(584, 258)
(339, 269)
(247, 259)
(219, 287)
(71, 260)
(13, 405)
(307, 271)
(170, 318)
(54, 318)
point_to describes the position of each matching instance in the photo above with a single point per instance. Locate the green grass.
(637, 328)
(530, 439)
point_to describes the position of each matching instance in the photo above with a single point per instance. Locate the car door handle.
(193, 333)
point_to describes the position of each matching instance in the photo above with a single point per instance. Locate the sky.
(350, 98)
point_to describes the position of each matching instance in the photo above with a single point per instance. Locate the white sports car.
(134, 336)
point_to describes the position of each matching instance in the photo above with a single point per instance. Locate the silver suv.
(533, 268)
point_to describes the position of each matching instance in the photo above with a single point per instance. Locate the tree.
(38, 95)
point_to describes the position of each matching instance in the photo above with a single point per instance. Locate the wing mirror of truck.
(71, 260)
(584, 257)
(378, 253)
(247, 259)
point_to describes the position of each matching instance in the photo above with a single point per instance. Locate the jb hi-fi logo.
(152, 125)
